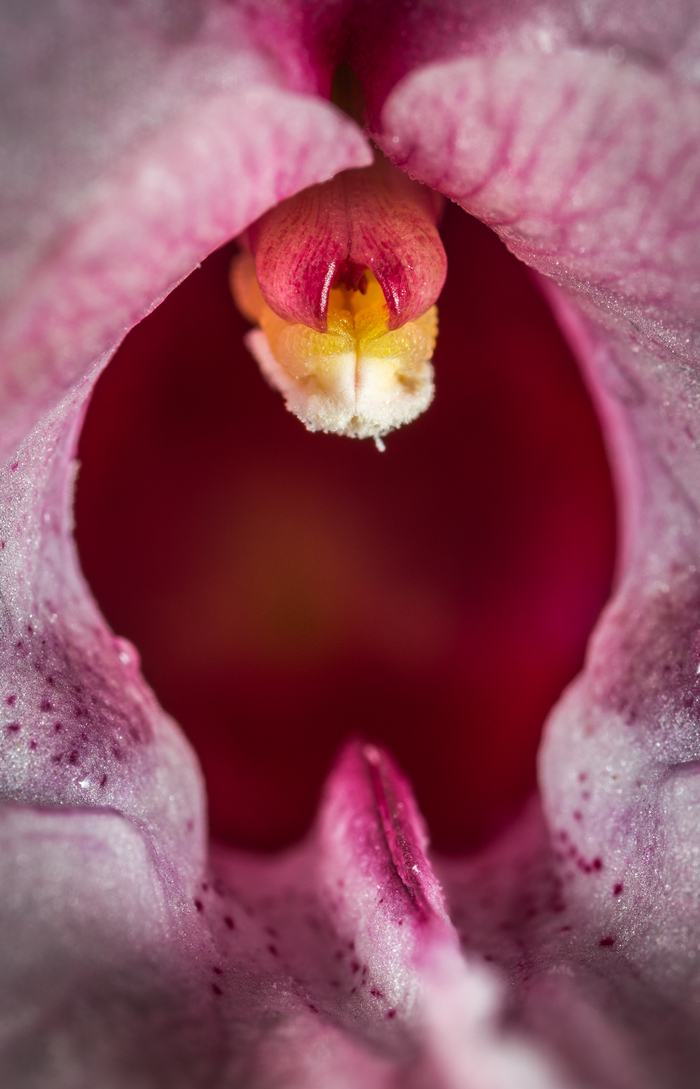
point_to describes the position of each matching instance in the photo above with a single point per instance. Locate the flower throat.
(341, 282)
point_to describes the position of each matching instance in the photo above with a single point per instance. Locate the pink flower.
(137, 140)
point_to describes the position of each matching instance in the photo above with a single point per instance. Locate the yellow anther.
(357, 379)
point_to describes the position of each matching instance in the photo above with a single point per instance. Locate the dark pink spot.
(390, 1015)
(103, 780)
(10, 700)
(354, 966)
(216, 989)
(617, 888)
(32, 744)
(14, 466)
(376, 993)
(199, 905)
(2, 544)
(73, 758)
(49, 680)
(13, 727)
(215, 968)
(577, 815)
(312, 1008)
(273, 949)
(58, 726)
(57, 759)
(229, 921)
(606, 941)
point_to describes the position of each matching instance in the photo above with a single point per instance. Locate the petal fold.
(185, 148)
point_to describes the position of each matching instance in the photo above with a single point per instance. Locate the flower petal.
(588, 167)
(78, 725)
(113, 224)
(104, 969)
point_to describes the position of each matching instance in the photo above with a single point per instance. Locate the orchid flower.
(136, 140)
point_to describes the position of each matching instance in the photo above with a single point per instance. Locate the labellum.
(136, 140)
(342, 280)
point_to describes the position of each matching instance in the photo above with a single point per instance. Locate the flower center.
(359, 378)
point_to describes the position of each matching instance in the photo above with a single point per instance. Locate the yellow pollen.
(358, 378)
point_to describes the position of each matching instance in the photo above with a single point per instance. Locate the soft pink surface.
(575, 134)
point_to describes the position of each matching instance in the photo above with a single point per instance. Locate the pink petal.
(78, 725)
(148, 193)
(587, 166)
(105, 967)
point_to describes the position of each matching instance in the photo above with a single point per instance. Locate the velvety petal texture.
(136, 140)
(587, 166)
(109, 202)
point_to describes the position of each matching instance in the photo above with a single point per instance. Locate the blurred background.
(287, 589)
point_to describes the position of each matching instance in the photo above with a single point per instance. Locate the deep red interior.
(288, 589)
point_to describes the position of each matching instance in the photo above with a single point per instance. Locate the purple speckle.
(46, 705)
(199, 905)
(58, 726)
(32, 744)
(73, 758)
(617, 888)
(13, 727)
(229, 922)
(606, 941)
(103, 780)
(11, 700)
(376, 993)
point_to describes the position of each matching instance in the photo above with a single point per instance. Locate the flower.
(155, 134)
